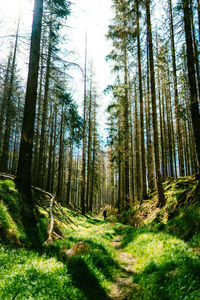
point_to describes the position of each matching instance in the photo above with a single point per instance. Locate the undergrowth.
(166, 267)
(164, 244)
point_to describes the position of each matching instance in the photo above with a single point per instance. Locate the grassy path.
(123, 286)
(123, 262)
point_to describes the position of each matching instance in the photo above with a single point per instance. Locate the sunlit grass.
(166, 256)
(166, 267)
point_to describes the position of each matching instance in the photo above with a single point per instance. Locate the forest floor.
(102, 260)
(123, 285)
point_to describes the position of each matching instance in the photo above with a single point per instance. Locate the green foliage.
(128, 215)
(187, 224)
(4, 216)
(42, 225)
(28, 275)
(10, 219)
(166, 266)
(9, 195)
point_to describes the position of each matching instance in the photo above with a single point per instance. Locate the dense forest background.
(153, 117)
(93, 210)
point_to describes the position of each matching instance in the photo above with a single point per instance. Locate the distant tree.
(178, 125)
(6, 138)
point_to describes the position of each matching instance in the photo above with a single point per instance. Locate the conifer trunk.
(41, 158)
(192, 79)
(6, 138)
(144, 184)
(176, 100)
(23, 178)
(161, 197)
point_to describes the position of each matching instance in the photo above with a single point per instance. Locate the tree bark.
(176, 100)
(194, 107)
(23, 178)
(161, 196)
(6, 139)
(144, 184)
(41, 159)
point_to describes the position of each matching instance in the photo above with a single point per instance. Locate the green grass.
(165, 267)
(30, 275)
(165, 254)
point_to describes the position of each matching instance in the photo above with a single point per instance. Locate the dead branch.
(50, 238)
(7, 176)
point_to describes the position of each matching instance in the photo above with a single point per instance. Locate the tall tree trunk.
(126, 129)
(53, 154)
(132, 156)
(84, 133)
(16, 141)
(169, 131)
(41, 159)
(161, 129)
(38, 118)
(23, 178)
(161, 196)
(144, 184)
(50, 154)
(6, 139)
(176, 100)
(137, 149)
(69, 172)
(4, 100)
(93, 168)
(192, 79)
(60, 159)
(89, 147)
(151, 180)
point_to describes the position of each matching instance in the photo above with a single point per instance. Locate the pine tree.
(161, 197)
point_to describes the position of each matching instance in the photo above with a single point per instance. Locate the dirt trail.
(123, 287)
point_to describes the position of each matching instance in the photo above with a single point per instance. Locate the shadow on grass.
(86, 280)
(37, 284)
(173, 272)
(100, 258)
(95, 221)
(79, 279)
(129, 234)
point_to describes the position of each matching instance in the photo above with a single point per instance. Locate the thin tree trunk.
(161, 196)
(38, 118)
(126, 131)
(41, 159)
(69, 173)
(50, 148)
(151, 180)
(144, 184)
(93, 169)
(53, 154)
(6, 139)
(84, 133)
(60, 159)
(176, 100)
(4, 100)
(89, 147)
(137, 149)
